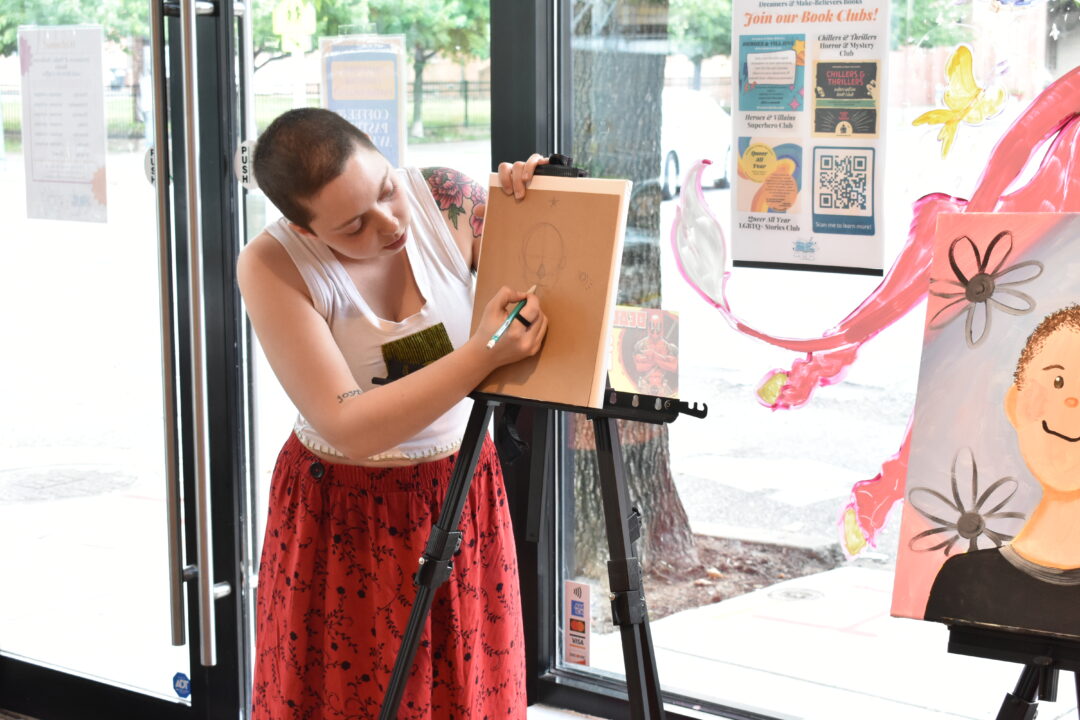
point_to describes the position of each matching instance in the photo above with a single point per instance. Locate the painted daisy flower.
(958, 520)
(983, 281)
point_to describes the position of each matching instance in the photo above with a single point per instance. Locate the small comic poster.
(846, 99)
(645, 351)
(772, 171)
(807, 136)
(771, 72)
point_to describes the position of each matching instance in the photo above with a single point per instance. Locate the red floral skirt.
(335, 592)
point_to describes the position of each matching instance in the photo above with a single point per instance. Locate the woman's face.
(362, 214)
(1045, 412)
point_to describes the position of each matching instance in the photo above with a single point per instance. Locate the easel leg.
(624, 574)
(1076, 679)
(1021, 703)
(437, 561)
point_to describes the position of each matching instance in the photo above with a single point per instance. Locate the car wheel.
(670, 188)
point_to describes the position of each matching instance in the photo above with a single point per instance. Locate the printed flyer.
(364, 82)
(63, 120)
(807, 123)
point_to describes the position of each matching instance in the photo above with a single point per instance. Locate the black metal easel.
(1042, 657)
(623, 524)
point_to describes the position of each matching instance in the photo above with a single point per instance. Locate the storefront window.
(428, 104)
(755, 602)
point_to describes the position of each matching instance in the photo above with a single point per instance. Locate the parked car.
(115, 78)
(693, 127)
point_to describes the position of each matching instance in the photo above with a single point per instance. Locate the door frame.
(221, 691)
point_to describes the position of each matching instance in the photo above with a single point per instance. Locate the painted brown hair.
(1066, 317)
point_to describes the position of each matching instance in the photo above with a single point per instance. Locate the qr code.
(844, 181)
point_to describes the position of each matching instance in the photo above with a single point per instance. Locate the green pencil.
(509, 319)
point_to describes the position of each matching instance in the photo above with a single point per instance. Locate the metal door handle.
(207, 593)
(160, 175)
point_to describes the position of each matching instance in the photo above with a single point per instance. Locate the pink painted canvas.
(990, 532)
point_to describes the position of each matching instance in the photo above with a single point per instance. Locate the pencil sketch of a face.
(542, 255)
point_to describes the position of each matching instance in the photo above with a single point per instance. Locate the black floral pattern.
(335, 592)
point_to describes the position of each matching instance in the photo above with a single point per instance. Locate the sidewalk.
(823, 647)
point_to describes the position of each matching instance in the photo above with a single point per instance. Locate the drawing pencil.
(509, 319)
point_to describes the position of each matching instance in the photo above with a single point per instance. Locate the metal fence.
(449, 109)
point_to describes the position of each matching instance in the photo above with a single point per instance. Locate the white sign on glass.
(63, 106)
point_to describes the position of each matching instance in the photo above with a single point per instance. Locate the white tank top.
(370, 343)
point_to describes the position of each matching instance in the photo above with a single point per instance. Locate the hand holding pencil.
(512, 326)
(515, 314)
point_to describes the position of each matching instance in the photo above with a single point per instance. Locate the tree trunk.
(137, 44)
(419, 61)
(697, 72)
(617, 134)
(666, 545)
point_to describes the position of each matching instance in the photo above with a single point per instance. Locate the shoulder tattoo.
(451, 189)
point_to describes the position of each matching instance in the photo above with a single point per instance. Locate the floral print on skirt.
(336, 589)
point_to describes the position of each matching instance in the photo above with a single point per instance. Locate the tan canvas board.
(565, 236)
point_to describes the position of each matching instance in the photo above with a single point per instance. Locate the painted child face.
(1045, 412)
(362, 213)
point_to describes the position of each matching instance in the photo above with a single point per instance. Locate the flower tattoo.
(970, 521)
(980, 286)
(451, 189)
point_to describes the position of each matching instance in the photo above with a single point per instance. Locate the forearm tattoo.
(346, 395)
(451, 189)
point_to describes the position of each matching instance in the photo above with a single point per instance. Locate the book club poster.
(808, 117)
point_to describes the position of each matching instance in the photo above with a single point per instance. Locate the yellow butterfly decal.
(964, 100)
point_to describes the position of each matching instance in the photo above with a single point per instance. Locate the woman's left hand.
(515, 177)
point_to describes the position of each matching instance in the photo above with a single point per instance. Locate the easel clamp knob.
(437, 561)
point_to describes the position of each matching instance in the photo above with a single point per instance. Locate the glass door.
(121, 376)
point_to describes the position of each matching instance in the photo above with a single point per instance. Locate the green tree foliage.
(14, 13)
(930, 23)
(333, 17)
(122, 20)
(700, 29)
(125, 22)
(452, 28)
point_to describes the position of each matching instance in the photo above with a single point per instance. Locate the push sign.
(181, 684)
(242, 165)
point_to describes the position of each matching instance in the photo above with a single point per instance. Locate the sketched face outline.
(1045, 412)
(543, 255)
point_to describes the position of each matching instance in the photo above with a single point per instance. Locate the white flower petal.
(997, 252)
(977, 325)
(996, 496)
(935, 325)
(1019, 273)
(934, 506)
(1012, 301)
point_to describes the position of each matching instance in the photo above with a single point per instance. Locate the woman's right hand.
(518, 341)
(515, 177)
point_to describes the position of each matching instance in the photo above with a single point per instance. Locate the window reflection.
(742, 510)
